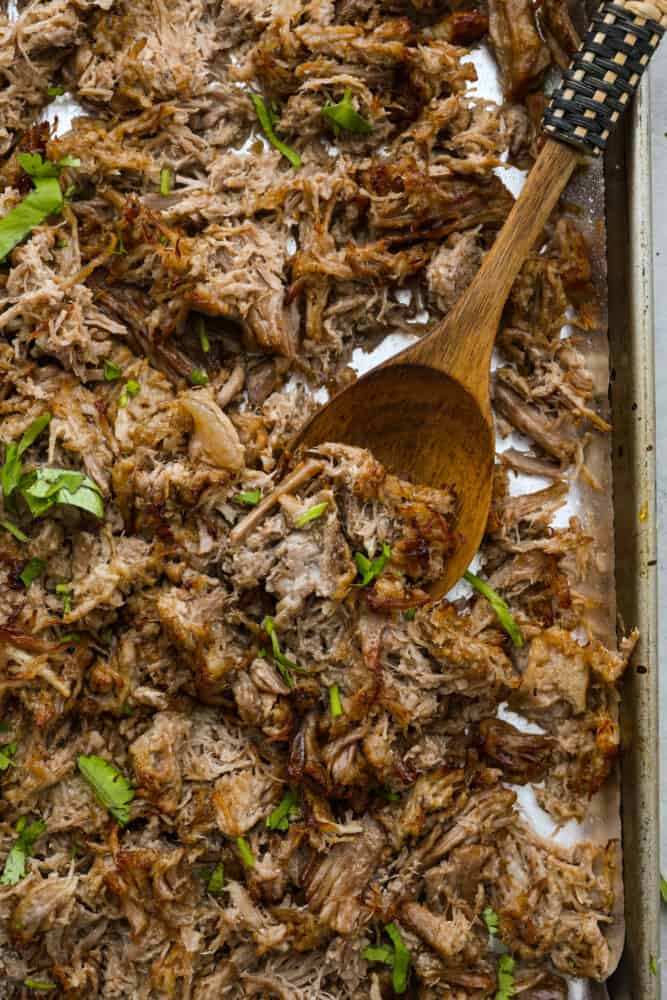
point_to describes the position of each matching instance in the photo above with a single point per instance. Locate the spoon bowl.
(425, 427)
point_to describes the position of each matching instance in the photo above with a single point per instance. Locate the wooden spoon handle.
(462, 344)
(605, 73)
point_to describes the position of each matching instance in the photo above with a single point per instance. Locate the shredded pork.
(245, 274)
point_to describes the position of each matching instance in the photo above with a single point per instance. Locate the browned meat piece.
(336, 884)
(552, 435)
(522, 757)
(447, 937)
(522, 55)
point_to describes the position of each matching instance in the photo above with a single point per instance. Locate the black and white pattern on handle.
(605, 72)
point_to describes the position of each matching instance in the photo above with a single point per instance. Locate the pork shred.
(245, 273)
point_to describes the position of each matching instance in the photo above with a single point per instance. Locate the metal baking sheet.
(629, 525)
(628, 184)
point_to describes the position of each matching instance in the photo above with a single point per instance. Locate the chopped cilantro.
(390, 795)
(6, 754)
(663, 888)
(490, 918)
(398, 957)
(45, 199)
(14, 530)
(653, 965)
(55, 91)
(505, 978)
(250, 497)
(15, 863)
(311, 514)
(131, 389)
(12, 469)
(111, 787)
(39, 984)
(334, 701)
(63, 590)
(370, 568)
(32, 569)
(285, 666)
(198, 377)
(267, 120)
(247, 856)
(498, 605)
(344, 115)
(45, 487)
(284, 811)
(112, 371)
(204, 342)
(410, 614)
(165, 181)
(216, 880)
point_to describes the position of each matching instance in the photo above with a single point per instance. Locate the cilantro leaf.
(12, 468)
(334, 701)
(505, 978)
(344, 115)
(370, 568)
(44, 200)
(112, 371)
(39, 984)
(284, 664)
(131, 389)
(284, 811)
(663, 888)
(398, 957)
(499, 606)
(267, 120)
(410, 614)
(38, 168)
(63, 590)
(216, 880)
(490, 918)
(15, 863)
(250, 498)
(55, 91)
(32, 569)
(14, 530)
(198, 377)
(247, 857)
(6, 754)
(47, 486)
(382, 953)
(204, 342)
(111, 787)
(165, 181)
(311, 514)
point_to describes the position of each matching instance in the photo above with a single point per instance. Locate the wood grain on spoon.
(426, 414)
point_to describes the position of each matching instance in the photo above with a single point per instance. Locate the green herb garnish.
(6, 754)
(334, 701)
(32, 569)
(247, 856)
(410, 614)
(198, 377)
(204, 342)
(397, 957)
(165, 181)
(44, 200)
(111, 787)
(344, 115)
(267, 120)
(12, 468)
(370, 568)
(14, 530)
(498, 605)
(284, 811)
(216, 880)
(55, 91)
(663, 888)
(250, 497)
(131, 389)
(45, 487)
(112, 371)
(490, 918)
(39, 984)
(284, 664)
(505, 978)
(311, 514)
(390, 795)
(15, 863)
(63, 590)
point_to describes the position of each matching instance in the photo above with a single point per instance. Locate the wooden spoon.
(425, 413)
